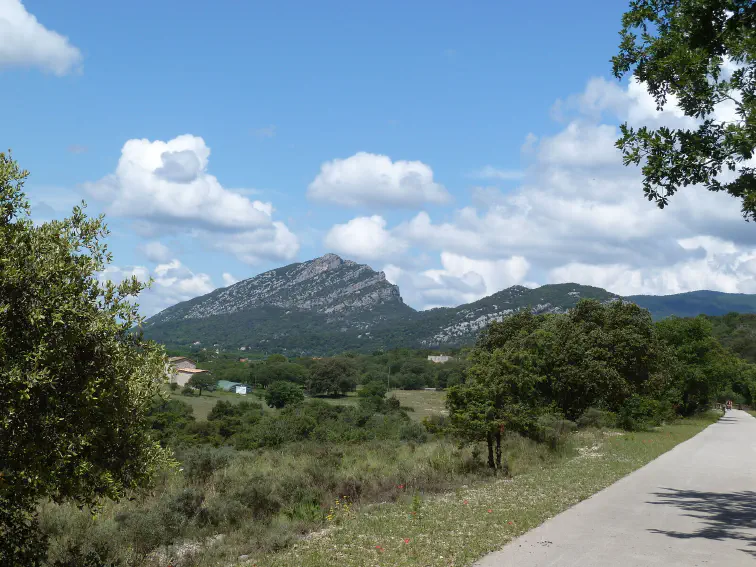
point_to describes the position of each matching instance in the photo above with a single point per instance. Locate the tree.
(282, 394)
(76, 384)
(278, 371)
(202, 381)
(332, 376)
(706, 367)
(701, 55)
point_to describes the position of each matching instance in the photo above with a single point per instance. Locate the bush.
(281, 394)
(436, 424)
(553, 430)
(200, 463)
(187, 391)
(173, 386)
(639, 413)
(593, 417)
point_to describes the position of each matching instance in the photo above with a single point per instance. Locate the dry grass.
(456, 528)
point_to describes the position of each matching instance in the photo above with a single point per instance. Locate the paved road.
(695, 505)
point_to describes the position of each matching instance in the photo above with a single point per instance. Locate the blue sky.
(460, 148)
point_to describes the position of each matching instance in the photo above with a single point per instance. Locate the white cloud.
(274, 242)
(228, 279)
(165, 186)
(491, 172)
(27, 43)
(156, 251)
(173, 283)
(579, 215)
(724, 267)
(365, 238)
(459, 280)
(168, 182)
(374, 180)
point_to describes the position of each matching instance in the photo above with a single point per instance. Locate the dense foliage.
(701, 55)
(537, 374)
(75, 384)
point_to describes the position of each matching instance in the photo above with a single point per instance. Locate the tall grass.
(257, 501)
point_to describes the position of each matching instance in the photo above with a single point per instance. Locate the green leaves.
(702, 52)
(75, 382)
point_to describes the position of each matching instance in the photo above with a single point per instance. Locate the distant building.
(181, 369)
(242, 390)
(439, 358)
(228, 386)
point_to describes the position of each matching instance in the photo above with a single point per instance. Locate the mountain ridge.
(329, 304)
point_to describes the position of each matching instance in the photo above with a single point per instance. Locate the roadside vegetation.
(101, 468)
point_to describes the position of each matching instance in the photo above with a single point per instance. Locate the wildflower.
(489, 510)
(406, 540)
(465, 502)
(510, 522)
(379, 548)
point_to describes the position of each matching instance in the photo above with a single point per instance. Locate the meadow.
(423, 403)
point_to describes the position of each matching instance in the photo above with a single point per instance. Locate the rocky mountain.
(341, 290)
(330, 305)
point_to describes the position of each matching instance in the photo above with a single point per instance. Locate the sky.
(461, 148)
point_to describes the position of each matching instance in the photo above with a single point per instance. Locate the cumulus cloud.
(723, 267)
(365, 238)
(459, 280)
(156, 251)
(228, 279)
(27, 43)
(166, 186)
(173, 282)
(366, 179)
(578, 215)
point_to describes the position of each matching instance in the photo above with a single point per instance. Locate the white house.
(440, 358)
(181, 369)
(241, 390)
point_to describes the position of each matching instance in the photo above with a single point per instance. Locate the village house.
(181, 369)
(440, 358)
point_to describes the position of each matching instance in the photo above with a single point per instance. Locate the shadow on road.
(728, 515)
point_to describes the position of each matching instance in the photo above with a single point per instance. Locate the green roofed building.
(228, 386)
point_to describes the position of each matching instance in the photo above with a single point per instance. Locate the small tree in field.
(202, 381)
(76, 383)
(282, 394)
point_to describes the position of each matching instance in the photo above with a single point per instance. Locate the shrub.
(593, 417)
(281, 394)
(412, 431)
(639, 413)
(173, 386)
(436, 424)
(187, 391)
(553, 430)
(200, 463)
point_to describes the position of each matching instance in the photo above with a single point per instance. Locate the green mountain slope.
(695, 303)
(330, 305)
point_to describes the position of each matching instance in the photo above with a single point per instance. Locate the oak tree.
(701, 54)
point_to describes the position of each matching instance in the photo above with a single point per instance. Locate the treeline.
(602, 364)
(399, 369)
(245, 426)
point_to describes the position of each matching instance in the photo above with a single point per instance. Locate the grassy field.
(201, 405)
(424, 402)
(456, 528)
